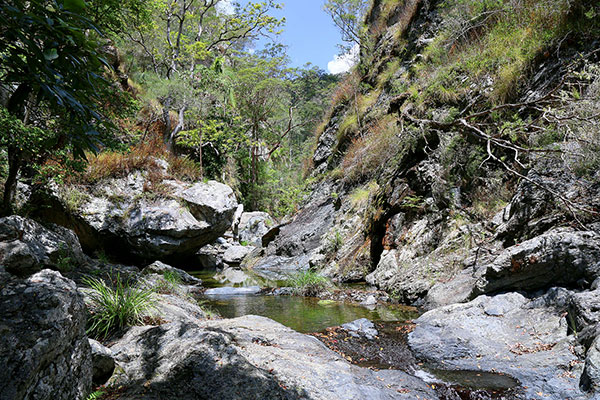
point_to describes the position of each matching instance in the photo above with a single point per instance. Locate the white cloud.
(225, 7)
(343, 63)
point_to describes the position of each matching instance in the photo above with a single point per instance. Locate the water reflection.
(304, 314)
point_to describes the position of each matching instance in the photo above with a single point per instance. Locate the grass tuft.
(114, 307)
(308, 283)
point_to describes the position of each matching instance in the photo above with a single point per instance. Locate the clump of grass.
(114, 307)
(308, 283)
(169, 283)
(336, 242)
(141, 157)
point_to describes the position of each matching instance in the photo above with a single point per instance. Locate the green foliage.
(64, 261)
(308, 283)
(96, 395)
(115, 306)
(336, 242)
(348, 16)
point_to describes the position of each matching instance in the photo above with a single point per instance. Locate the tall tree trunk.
(166, 119)
(10, 186)
(16, 107)
(173, 135)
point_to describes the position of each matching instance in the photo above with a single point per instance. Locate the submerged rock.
(362, 327)
(27, 247)
(508, 334)
(44, 351)
(246, 358)
(232, 291)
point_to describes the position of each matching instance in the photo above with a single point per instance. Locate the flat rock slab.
(506, 333)
(249, 357)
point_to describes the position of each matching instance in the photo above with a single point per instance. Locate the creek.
(322, 318)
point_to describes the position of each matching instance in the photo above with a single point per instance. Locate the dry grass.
(142, 157)
(367, 154)
(346, 89)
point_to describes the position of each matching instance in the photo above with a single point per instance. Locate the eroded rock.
(507, 333)
(44, 351)
(247, 358)
(27, 247)
(128, 220)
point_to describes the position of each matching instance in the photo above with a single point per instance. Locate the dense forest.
(91, 88)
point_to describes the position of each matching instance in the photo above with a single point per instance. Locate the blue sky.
(309, 33)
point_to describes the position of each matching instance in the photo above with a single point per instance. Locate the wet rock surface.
(44, 351)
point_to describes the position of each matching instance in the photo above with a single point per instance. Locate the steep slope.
(467, 129)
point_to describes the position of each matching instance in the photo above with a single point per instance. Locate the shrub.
(116, 307)
(308, 283)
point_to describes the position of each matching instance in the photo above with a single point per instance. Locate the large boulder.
(557, 258)
(133, 218)
(510, 334)
(44, 351)
(234, 255)
(253, 226)
(27, 247)
(246, 358)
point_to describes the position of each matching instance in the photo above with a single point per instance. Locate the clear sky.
(309, 33)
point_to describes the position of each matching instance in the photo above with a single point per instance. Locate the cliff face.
(460, 156)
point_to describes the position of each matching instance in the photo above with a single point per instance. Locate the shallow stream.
(389, 350)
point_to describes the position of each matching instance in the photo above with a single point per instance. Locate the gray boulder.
(161, 268)
(253, 226)
(361, 327)
(44, 351)
(509, 334)
(556, 258)
(211, 255)
(27, 247)
(103, 363)
(234, 255)
(124, 217)
(590, 380)
(246, 358)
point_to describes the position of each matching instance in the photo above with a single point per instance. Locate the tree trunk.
(10, 186)
(180, 125)
(16, 107)
(167, 119)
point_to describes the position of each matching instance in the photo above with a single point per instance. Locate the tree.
(348, 16)
(50, 60)
(183, 36)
